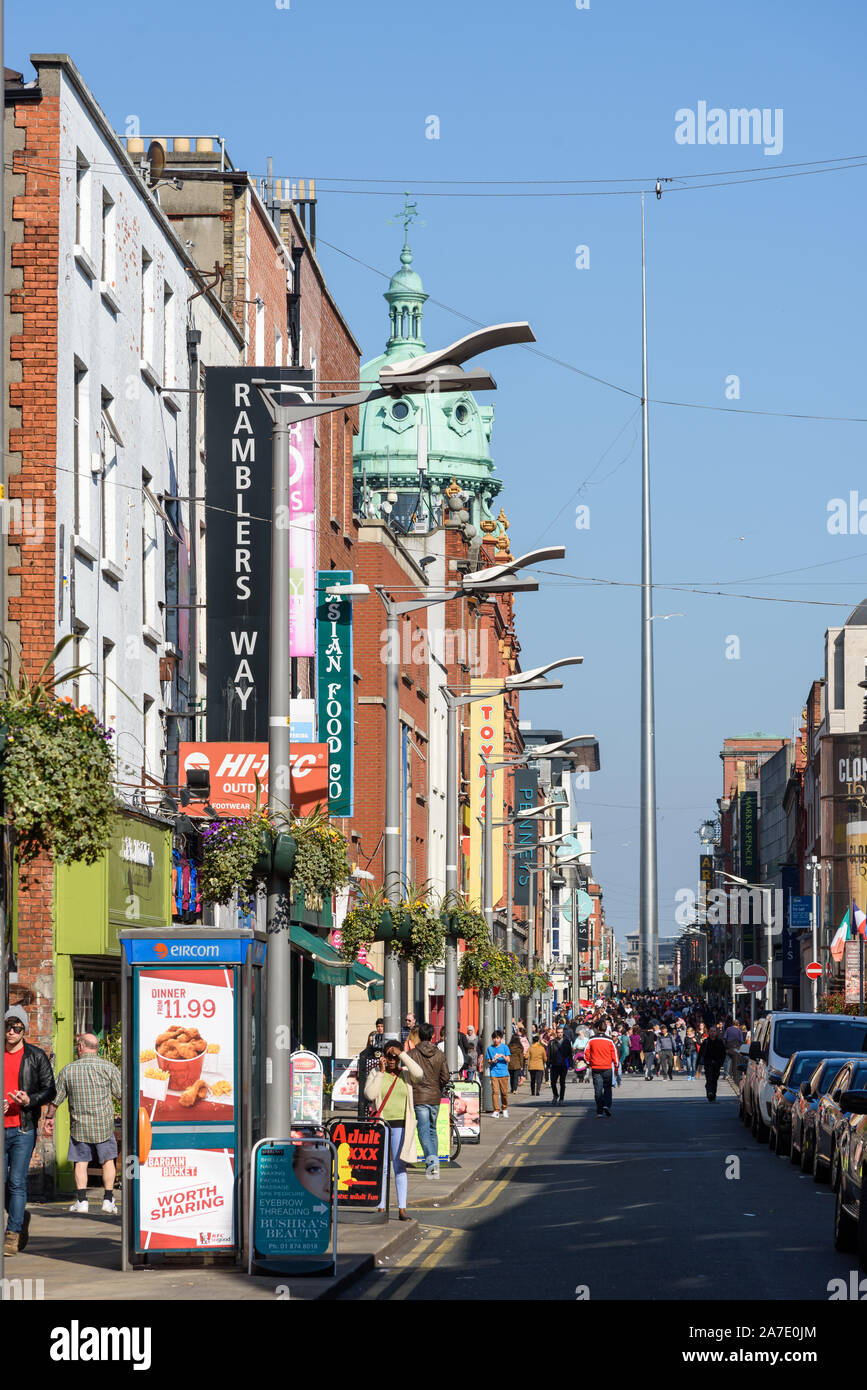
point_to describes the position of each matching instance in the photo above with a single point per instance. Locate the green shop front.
(129, 887)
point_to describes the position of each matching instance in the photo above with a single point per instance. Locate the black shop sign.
(362, 1168)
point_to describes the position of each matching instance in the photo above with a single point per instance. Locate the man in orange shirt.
(601, 1055)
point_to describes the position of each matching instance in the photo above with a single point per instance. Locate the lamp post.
(814, 867)
(441, 371)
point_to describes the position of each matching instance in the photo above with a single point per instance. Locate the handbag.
(384, 1102)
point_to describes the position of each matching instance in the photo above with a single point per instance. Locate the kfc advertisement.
(235, 767)
(186, 1039)
(186, 1199)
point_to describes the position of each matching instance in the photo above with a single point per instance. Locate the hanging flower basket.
(411, 926)
(236, 854)
(538, 981)
(487, 968)
(56, 769)
(461, 920)
(320, 864)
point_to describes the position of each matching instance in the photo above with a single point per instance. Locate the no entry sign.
(755, 977)
(814, 970)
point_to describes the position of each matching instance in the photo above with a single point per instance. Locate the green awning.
(329, 967)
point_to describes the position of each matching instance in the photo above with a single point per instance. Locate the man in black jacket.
(28, 1084)
(648, 1047)
(559, 1062)
(711, 1056)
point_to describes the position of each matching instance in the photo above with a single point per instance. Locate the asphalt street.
(638, 1206)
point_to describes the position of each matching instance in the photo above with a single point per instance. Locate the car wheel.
(784, 1144)
(834, 1170)
(794, 1154)
(761, 1130)
(806, 1154)
(845, 1226)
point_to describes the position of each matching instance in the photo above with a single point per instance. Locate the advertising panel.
(334, 688)
(345, 1090)
(305, 1085)
(234, 768)
(443, 1137)
(467, 1111)
(292, 1198)
(526, 833)
(486, 741)
(362, 1163)
(186, 1039)
(238, 435)
(186, 1199)
(852, 966)
(139, 863)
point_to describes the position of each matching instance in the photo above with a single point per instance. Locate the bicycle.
(454, 1133)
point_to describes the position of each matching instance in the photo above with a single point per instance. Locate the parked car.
(775, 1038)
(831, 1117)
(798, 1070)
(850, 1207)
(804, 1110)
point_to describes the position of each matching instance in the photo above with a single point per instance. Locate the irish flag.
(841, 936)
(860, 921)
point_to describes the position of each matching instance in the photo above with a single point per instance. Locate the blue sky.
(764, 281)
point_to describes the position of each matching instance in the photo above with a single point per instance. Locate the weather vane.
(407, 215)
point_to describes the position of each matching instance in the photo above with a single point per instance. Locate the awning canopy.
(329, 967)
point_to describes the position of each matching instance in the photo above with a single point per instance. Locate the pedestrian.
(91, 1084)
(409, 1023)
(559, 1061)
(732, 1037)
(516, 1062)
(427, 1092)
(389, 1089)
(471, 1052)
(621, 1042)
(604, 1060)
(441, 1047)
(536, 1065)
(28, 1084)
(525, 1044)
(666, 1054)
(690, 1053)
(712, 1056)
(635, 1050)
(497, 1058)
(648, 1047)
(379, 1035)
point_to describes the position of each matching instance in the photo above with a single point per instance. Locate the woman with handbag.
(390, 1091)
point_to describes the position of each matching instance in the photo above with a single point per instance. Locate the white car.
(774, 1039)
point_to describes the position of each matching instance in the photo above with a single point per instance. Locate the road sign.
(755, 977)
(741, 989)
(733, 966)
(814, 970)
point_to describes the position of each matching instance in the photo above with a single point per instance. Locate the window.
(82, 201)
(110, 441)
(169, 378)
(106, 273)
(108, 711)
(278, 348)
(146, 327)
(82, 476)
(149, 556)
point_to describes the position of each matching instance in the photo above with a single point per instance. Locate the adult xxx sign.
(755, 977)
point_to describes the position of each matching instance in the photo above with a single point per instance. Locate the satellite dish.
(156, 158)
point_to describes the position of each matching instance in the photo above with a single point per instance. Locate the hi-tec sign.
(234, 769)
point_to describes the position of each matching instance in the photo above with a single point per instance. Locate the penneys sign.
(238, 432)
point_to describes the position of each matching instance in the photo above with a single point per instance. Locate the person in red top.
(601, 1055)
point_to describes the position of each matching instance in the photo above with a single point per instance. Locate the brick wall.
(31, 568)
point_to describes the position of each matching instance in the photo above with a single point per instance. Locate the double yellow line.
(435, 1248)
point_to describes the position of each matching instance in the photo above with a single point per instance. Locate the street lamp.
(441, 371)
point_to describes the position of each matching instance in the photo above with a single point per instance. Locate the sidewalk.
(78, 1257)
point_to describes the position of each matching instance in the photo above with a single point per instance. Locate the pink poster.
(302, 540)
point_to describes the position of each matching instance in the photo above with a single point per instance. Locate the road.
(638, 1206)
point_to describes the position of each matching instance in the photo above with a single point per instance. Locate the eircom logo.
(187, 950)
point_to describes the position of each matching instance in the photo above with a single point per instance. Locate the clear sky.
(763, 281)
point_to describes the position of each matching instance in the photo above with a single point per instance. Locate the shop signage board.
(852, 959)
(235, 767)
(293, 1206)
(801, 910)
(467, 1111)
(345, 1089)
(526, 784)
(443, 1136)
(361, 1148)
(334, 692)
(238, 441)
(486, 743)
(305, 1086)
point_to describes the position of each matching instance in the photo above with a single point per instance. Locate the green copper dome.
(452, 431)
